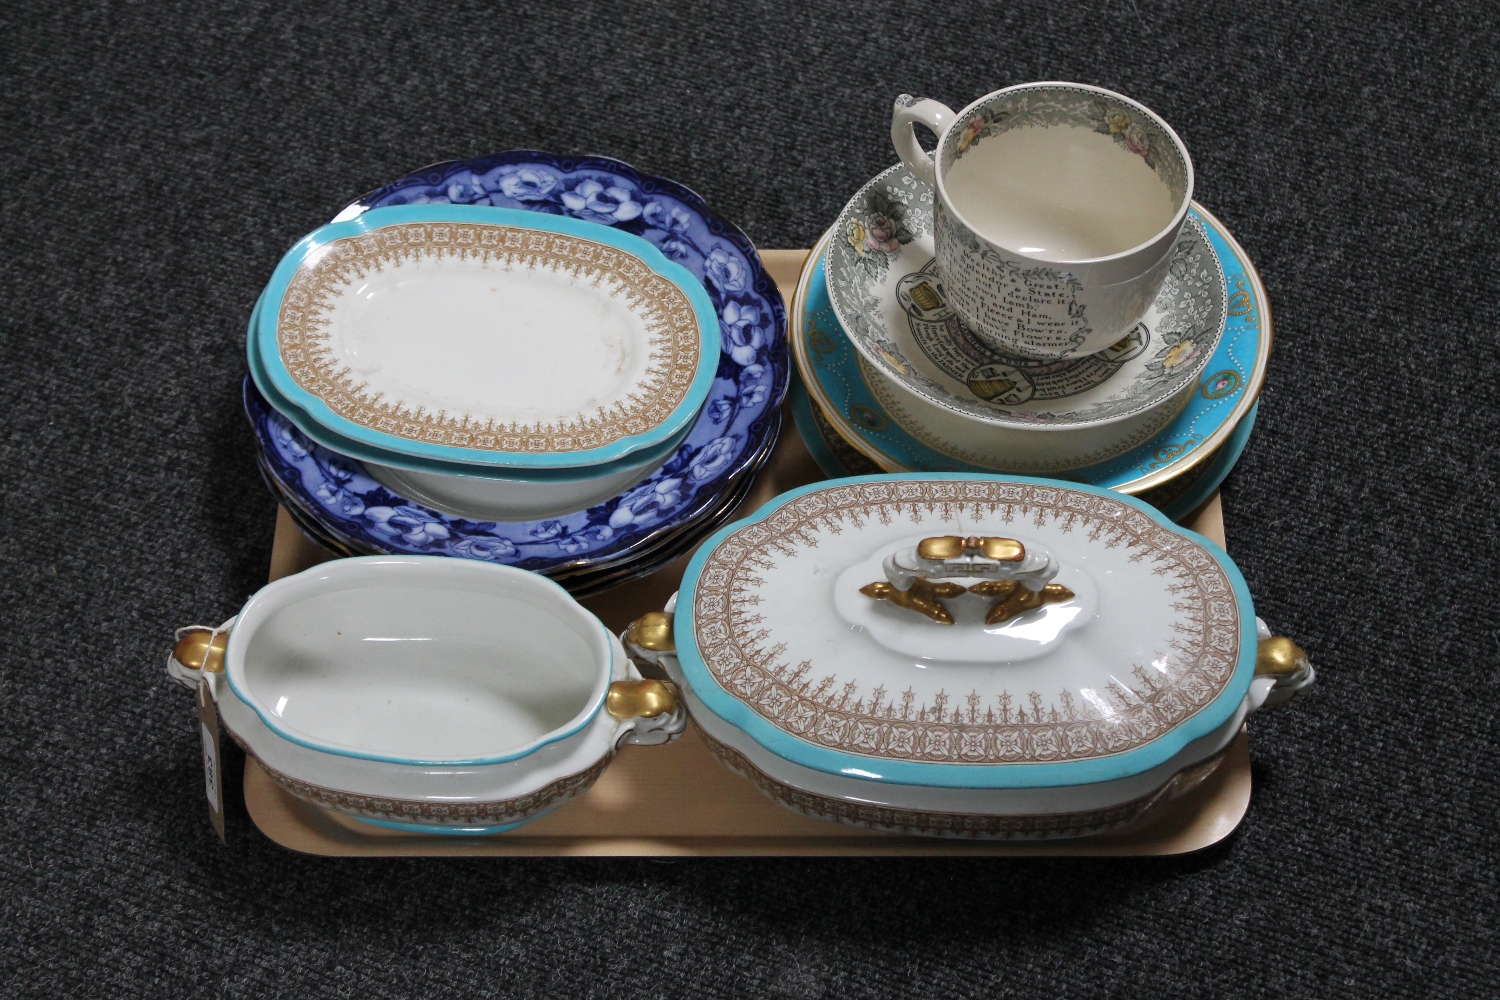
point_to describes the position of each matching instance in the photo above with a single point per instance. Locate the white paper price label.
(213, 774)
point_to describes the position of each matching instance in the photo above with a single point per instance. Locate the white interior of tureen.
(398, 659)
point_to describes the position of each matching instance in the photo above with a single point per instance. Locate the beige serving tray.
(677, 799)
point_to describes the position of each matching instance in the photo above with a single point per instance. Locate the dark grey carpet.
(156, 160)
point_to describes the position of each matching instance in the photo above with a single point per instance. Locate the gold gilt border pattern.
(746, 659)
(971, 826)
(497, 813)
(302, 334)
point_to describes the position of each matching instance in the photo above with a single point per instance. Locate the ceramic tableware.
(742, 408)
(488, 336)
(850, 395)
(682, 501)
(1178, 498)
(835, 456)
(968, 656)
(472, 491)
(753, 366)
(424, 694)
(1058, 207)
(730, 439)
(1000, 410)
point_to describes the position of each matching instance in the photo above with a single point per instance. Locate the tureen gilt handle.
(1282, 663)
(199, 650)
(652, 700)
(653, 631)
(652, 709)
(646, 698)
(1018, 580)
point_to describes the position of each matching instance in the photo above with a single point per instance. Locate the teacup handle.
(912, 111)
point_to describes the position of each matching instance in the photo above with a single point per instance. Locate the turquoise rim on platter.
(681, 417)
(1027, 775)
(1227, 389)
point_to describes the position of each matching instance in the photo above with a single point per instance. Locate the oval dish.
(488, 336)
(475, 492)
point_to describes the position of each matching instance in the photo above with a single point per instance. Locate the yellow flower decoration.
(970, 134)
(856, 235)
(1179, 354)
(1117, 120)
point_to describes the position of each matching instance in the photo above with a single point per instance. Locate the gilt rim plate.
(668, 333)
(1177, 498)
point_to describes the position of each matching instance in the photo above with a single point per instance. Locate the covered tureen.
(971, 656)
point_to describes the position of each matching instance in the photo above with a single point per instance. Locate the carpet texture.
(157, 159)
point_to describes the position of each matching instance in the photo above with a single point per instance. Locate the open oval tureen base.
(429, 694)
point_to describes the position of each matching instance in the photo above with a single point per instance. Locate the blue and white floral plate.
(336, 504)
(729, 442)
(831, 368)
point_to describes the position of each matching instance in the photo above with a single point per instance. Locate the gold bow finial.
(1012, 596)
(953, 546)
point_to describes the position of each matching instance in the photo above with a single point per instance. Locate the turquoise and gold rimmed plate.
(489, 336)
(838, 380)
(1177, 498)
(703, 479)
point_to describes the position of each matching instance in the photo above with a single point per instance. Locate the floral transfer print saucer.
(1227, 389)
(885, 289)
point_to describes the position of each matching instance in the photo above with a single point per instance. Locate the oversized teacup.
(1056, 206)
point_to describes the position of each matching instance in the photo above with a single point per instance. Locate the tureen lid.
(488, 336)
(966, 631)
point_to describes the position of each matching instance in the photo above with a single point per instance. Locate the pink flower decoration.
(882, 235)
(1138, 141)
(972, 128)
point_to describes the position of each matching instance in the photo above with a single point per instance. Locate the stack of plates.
(895, 382)
(554, 363)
